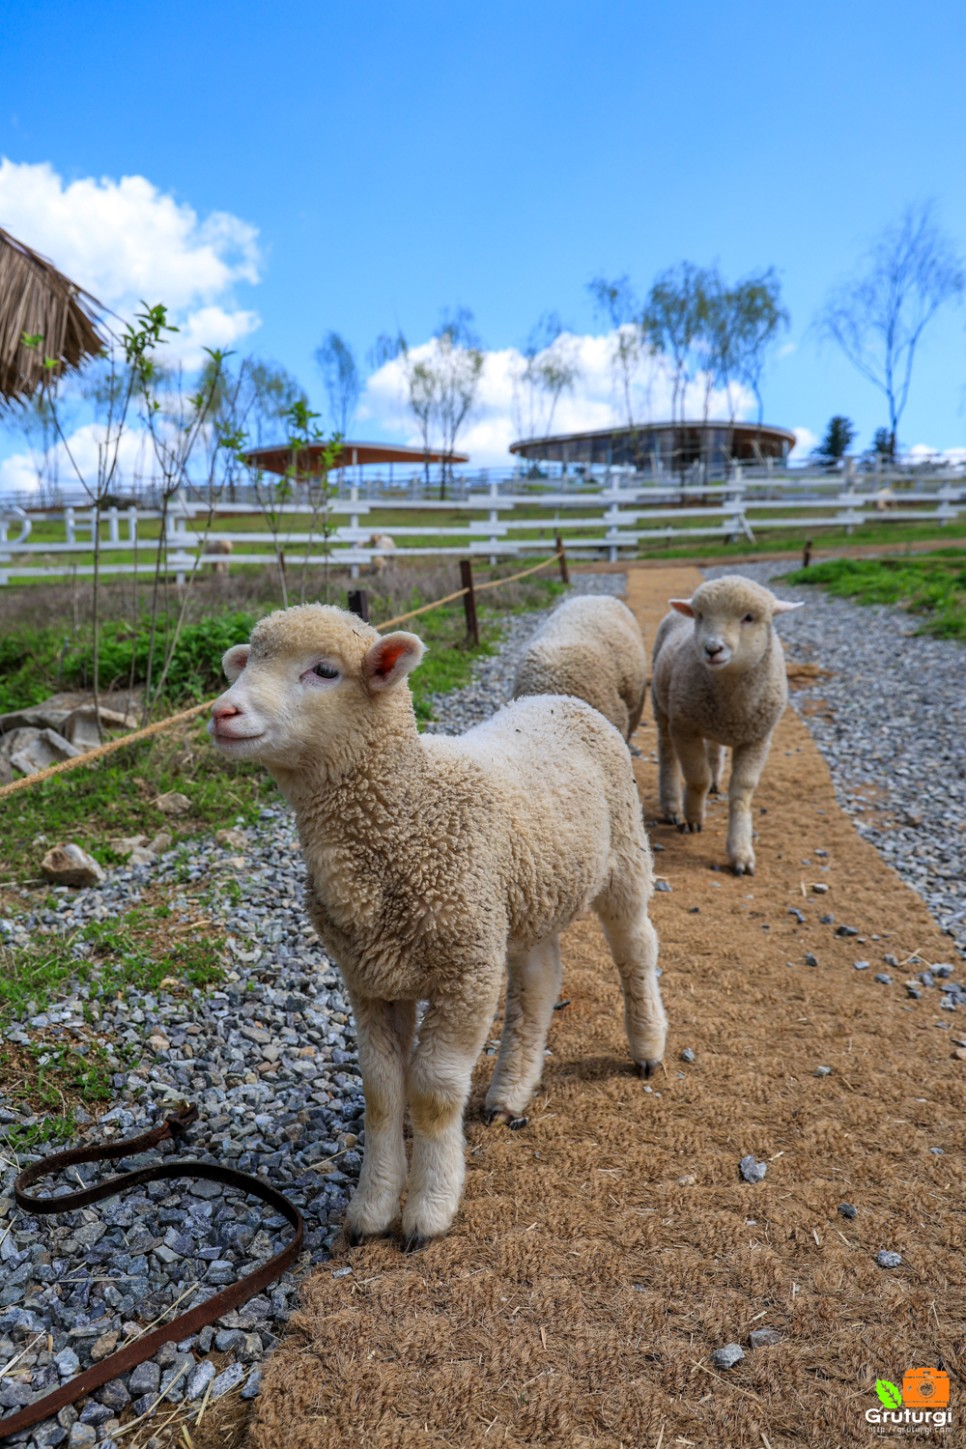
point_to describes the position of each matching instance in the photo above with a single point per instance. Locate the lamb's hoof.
(500, 1114)
(648, 1068)
(415, 1243)
(690, 827)
(355, 1237)
(563, 1002)
(742, 867)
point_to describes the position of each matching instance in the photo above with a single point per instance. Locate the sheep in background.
(216, 547)
(718, 679)
(432, 862)
(591, 648)
(381, 561)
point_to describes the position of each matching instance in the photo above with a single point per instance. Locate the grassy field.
(932, 585)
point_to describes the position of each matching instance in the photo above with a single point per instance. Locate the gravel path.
(270, 1061)
(894, 735)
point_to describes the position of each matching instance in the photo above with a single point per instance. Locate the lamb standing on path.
(718, 679)
(591, 648)
(432, 862)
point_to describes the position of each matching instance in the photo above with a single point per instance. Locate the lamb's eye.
(326, 671)
(748, 619)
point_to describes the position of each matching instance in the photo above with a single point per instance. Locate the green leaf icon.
(888, 1393)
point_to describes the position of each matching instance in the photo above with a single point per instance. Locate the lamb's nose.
(713, 648)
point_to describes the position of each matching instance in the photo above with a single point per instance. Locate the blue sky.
(362, 166)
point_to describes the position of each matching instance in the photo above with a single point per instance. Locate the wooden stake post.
(469, 602)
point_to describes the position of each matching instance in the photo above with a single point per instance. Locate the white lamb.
(432, 862)
(718, 679)
(591, 648)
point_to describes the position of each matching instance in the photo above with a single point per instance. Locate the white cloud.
(134, 460)
(805, 441)
(922, 453)
(126, 242)
(498, 417)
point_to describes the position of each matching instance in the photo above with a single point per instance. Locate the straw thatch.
(37, 299)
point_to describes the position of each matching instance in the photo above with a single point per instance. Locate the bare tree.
(674, 321)
(617, 304)
(457, 367)
(758, 318)
(878, 316)
(549, 367)
(336, 361)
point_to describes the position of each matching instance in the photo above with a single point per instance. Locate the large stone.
(173, 803)
(30, 750)
(80, 727)
(69, 865)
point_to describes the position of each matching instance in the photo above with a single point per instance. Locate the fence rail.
(607, 522)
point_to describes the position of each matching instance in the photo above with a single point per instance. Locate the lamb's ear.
(683, 606)
(390, 660)
(781, 606)
(234, 661)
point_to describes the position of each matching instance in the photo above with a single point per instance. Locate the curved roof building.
(663, 447)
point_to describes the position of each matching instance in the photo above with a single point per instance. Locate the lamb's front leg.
(385, 1033)
(669, 771)
(533, 986)
(451, 1037)
(691, 752)
(746, 766)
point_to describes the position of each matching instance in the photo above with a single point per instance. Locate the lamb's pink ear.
(234, 661)
(683, 606)
(781, 606)
(390, 660)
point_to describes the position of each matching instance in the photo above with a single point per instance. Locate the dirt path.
(602, 1254)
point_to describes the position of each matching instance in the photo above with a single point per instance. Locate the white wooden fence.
(610, 521)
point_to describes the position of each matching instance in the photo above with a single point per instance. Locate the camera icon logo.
(925, 1388)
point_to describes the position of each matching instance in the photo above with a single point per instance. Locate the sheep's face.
(732, 623)
(310, 685)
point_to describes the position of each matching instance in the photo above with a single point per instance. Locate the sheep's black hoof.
(354, 1237)
(415, 1243)
(500, 1114)
(562, 1003)
(648, 1068)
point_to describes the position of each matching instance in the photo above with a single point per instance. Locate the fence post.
(354, 524)
(469, 602)
(807, 554)
(359, 604)
(562, 559)
(494, 517)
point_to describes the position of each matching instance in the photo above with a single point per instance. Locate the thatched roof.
(36, 299)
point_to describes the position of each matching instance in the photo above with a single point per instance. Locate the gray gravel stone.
(764, 1337)
(198, 1380)
(751, 1169)
(728, 1356)
(887, 1259)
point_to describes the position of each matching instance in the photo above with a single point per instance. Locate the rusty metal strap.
(186, 1323)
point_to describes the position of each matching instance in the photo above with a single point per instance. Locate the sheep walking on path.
(432, 863)
(718, 680)
(592, 648)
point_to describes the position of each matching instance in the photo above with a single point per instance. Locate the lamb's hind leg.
(533, 986)
(385, 1032)
(633, 944)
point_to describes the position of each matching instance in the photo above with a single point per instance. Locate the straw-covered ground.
(604, 1254)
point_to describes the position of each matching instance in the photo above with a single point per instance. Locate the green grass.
(778, 540)
(930, 584)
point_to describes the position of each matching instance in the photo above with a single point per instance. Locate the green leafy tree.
(838, 439)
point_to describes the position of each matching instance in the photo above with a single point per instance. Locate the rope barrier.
(89, 756)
